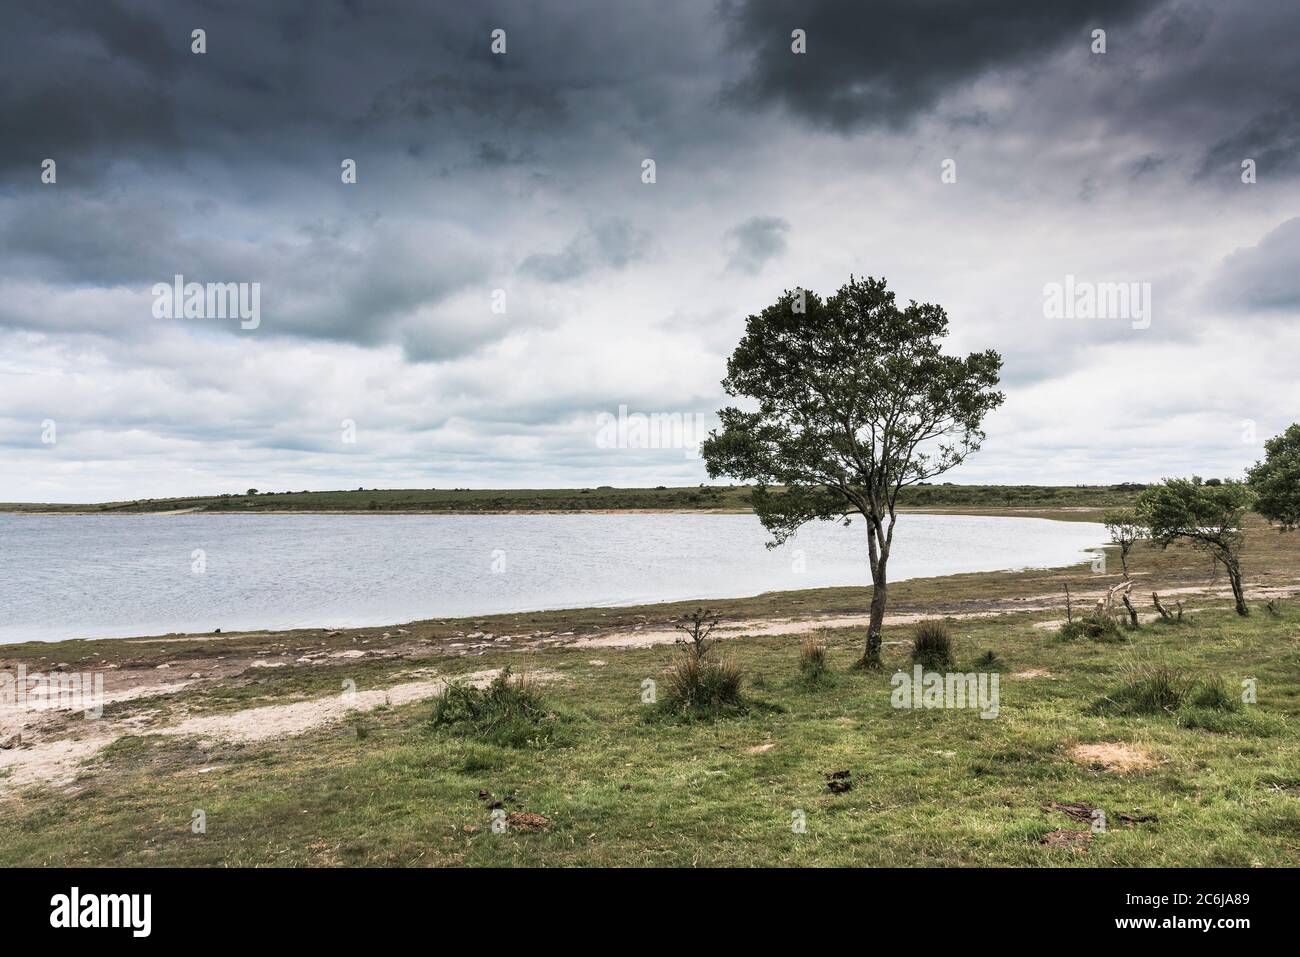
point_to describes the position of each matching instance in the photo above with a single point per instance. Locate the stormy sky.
(501, 274)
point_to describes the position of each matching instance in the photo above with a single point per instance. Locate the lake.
(100, 576)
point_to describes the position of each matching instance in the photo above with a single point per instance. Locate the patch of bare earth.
(41, 758)
(50, 762)
(1076, 841)
(1033, 673)
(290, 720)
(1113, 756)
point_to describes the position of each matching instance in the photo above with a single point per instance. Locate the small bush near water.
(509, 712)
(932, 646)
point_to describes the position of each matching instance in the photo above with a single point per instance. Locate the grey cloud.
(613, 243)
(1271, 139)
(755, 242)
(362, 281)
(1263, 278)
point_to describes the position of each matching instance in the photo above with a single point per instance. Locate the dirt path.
(766, 627)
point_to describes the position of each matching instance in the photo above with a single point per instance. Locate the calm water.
(94, 576)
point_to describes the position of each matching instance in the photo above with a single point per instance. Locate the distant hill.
(603, 498)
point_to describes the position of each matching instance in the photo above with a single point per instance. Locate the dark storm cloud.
(884, 62)
(106, 80)
(1200, 85)
(756, 241)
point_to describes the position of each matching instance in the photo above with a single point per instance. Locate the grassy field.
(725, 497)
(619, 786)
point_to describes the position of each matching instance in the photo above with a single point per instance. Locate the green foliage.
(508, 712)
(855, 401)
(1276, 480)
(1207, 516)
(932, 646)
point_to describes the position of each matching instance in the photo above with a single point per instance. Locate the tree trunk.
(875, 630)
(1238, 593)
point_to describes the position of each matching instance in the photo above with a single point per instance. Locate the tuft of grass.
(508, 712)
(1092, 627)
(1205, 703)
(1212, 694)
(699, 687)
(932, 646)
(1151, 690)
(813, 664)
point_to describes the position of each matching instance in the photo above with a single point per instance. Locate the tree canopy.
(1276, 480)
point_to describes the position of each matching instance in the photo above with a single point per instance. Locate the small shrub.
(509, 712)
(988, 659)
(932, 646)
(812, 661)
(700, 685)
(1093, 627)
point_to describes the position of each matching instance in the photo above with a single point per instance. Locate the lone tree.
(854, 402)
(1125, 529)
(1276, 480)
(1209, 517)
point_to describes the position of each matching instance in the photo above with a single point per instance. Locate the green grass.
(930, 787)
(729, 497)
